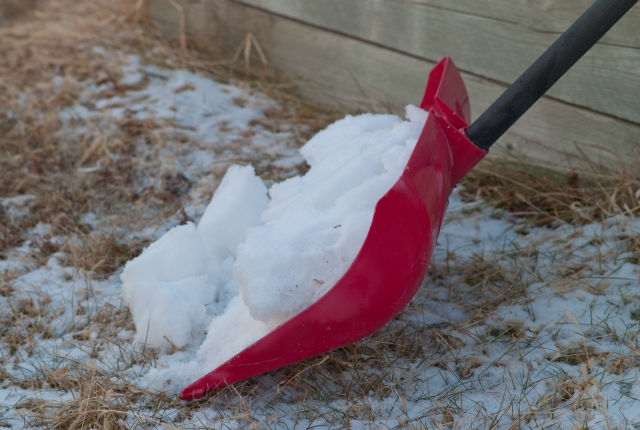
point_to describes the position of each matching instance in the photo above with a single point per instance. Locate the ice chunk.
(168, 286)
(235, 206)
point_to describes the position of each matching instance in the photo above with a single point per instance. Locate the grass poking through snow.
(528, 317)
(546, 197)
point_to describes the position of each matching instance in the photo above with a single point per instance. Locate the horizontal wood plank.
(549, 16)
(352, 74)
(496, 39)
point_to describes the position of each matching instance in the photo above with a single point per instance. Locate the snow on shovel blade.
(392, 263)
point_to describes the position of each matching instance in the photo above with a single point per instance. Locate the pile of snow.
(173, 287)
(316, 224)
(254, 261)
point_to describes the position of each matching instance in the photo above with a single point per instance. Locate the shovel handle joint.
(546, 71)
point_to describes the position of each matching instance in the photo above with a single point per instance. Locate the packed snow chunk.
(235, 206)
(168, 287)
(179, 283)
(316, 224)
(230, 333)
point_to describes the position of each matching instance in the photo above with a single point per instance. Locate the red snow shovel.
(393, 260)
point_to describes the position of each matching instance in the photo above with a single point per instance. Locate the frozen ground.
(514, 327)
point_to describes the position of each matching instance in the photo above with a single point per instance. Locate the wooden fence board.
(549, 16)
(606, 80)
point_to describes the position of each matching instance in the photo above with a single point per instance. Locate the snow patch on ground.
(553, 295)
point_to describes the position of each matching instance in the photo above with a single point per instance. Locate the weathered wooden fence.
(374, 55)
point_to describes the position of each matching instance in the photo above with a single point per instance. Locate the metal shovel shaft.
(545, 72)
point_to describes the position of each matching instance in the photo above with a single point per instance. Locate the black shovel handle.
(546, 71)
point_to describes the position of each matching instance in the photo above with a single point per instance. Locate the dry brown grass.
(12, 9)
(100, 403)
(547, 197)
(37, 159)
(101, 254)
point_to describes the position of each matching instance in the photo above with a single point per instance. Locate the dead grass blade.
(547, 197)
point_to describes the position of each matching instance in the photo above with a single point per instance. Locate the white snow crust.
(236, 206)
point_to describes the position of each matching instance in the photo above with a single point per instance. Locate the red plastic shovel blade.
(392, 263)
